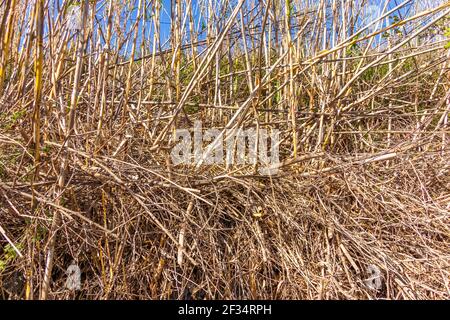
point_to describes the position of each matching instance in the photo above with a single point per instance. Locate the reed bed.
(92, 92)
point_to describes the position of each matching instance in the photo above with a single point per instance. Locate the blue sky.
(165, 20)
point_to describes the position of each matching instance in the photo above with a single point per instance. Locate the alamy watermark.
(230, 146)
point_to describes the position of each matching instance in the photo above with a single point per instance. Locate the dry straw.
(358, 210)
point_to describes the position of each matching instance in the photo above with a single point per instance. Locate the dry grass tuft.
(86, 127)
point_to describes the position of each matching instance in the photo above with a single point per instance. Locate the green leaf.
(447, 32)
(2, 265)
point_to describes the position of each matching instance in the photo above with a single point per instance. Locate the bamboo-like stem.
(65, 163)
(5, 37)
(38, 68)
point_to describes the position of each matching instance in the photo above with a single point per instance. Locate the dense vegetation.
(91, 93)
